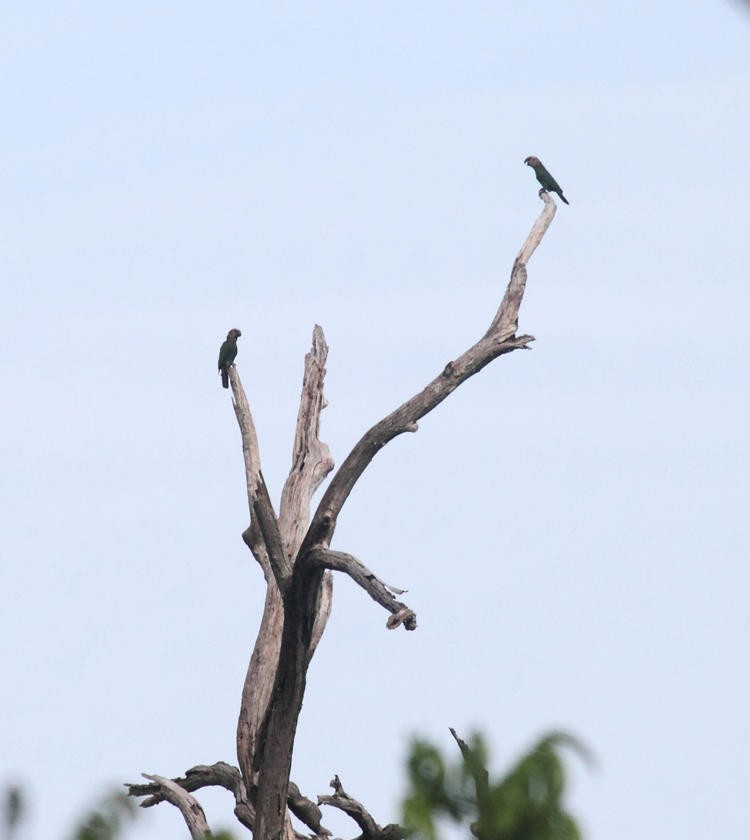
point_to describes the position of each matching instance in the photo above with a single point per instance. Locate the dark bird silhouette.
(227, 355)
(545, 179)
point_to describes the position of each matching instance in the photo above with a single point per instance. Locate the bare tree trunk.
(296, 561)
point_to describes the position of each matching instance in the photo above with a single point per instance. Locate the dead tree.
(297, 561)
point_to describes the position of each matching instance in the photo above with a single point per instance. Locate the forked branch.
(302, 598)
(370, 829)
(297, 562)
(311, 462)
(499, 339)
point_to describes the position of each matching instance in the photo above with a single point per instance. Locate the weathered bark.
(311, 463)
(379, 592)
(370, 829)
(261, 508)
(296, 559)
(191, 811)
(220, 774)
(499, 339)
(280, 724)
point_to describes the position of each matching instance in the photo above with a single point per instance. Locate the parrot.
(227, 355)
(545, 179)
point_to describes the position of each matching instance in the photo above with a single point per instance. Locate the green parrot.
(227, 355)
(549, 184)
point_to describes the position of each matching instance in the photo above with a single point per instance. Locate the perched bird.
(227, 355)
(545, 179)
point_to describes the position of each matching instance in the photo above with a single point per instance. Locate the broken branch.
(380, 592)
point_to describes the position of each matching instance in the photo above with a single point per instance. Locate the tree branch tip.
(412, 427)
(517, 342)
(404, 616)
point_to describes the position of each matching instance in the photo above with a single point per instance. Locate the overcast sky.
(572, 525)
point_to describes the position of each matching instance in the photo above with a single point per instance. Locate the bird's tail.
(225, 377)
(564, 199)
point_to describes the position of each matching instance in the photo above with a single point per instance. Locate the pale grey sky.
(571, 525)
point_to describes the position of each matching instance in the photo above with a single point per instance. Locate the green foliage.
(435, 788)
(108, 820)
(12, 810)
(525, 804)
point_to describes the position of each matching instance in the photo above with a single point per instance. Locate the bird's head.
(234, 333)
(532, 161)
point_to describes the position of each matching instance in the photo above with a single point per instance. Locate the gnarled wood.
(311, 462)
(403, 419)
(380, 592)
(505, 322)
(301, 599)
(261, 508)
(191, 811)
(369, 828)
(296, 560)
